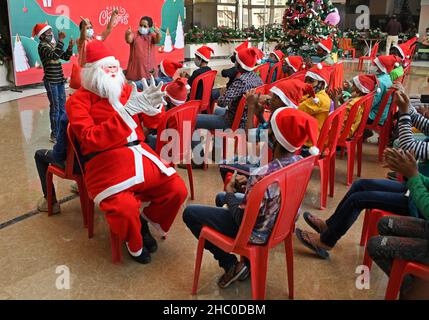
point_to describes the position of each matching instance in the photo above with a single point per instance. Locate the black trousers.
(43, 159)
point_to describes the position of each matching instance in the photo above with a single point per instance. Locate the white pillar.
(240, 14)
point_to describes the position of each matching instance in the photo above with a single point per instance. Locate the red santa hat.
(177, 91)
(279, 54)
(387, 63)
(169, 67)
(293, 128)
(244, 45)
(320, 72)
(295, 62)
(98, 54)
(292, 91)
(204, 53)
(40, 29)
(326, 44)
(405, 48)
(367, 83)
(247, 58)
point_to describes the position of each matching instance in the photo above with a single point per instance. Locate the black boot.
(143, 258)
(149, 241)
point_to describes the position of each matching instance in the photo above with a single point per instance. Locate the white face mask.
(89, 33)
(143, 30)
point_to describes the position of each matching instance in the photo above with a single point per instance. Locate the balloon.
(333, 18)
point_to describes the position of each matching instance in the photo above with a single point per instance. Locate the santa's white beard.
(103, 84)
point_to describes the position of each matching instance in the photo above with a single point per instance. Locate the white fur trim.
(283, 97)
(315, 76)
(290, 65)
(359, 85)
(278, 58)
(44, 30)
(314, 151)
(175, 101)
(400, 51)
(243, 65)
(379, 65)
(197, 53)
(134, 254)
(161, 67)
(102, 62)
(279, 136)
(324, 48)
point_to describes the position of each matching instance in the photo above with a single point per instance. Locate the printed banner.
(64, 15)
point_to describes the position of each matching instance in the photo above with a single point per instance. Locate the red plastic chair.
(67, 173)
(298, 75)
(356, 141)
(370, 229)
(277, 67)
(114, 238)
(208, 78)
(262, 70)
(337, 77)
(371, 57)
(176, 118)
(327, 144)
(385, 130)
(345, 44)
(400, 268)
(292, 181)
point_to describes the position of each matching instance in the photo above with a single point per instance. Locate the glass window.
(278, 15)
(260, 2)
(258, 17)
(226, 16)
(280, 3)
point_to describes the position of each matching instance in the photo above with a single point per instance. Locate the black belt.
(92, 155)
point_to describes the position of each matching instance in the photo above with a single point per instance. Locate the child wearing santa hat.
(51, 53)
(274, 57)
(201, 60)
(324, 51)
(290, 129)
(402, 51)
(293, 64)
(319, 105)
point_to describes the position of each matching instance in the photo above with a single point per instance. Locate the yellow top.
(319, 110)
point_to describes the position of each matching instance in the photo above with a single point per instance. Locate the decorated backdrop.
(64, 15)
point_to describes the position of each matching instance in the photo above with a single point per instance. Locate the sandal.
(239, 271)
(322, 253)
(308, 217)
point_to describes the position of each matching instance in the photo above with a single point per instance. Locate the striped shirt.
(51, 54)
(406, 136)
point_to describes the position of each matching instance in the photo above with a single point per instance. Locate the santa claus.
(131, 184)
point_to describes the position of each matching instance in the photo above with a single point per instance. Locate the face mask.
(143, 30)
(197, 62)
(89, 33)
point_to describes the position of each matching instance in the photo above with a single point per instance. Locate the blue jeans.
(220, 219)
(380, 194)
(210, 122)
(57, 99)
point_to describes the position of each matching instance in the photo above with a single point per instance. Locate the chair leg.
(351, 153)
(191, 180)
(359, 157)
(395, 279)
(382, 143)
(324, 176)
(116, 248)
(364, 236)
(342, 153)
(49, 190)
(90, 217)
(198, 260)
(258, 272)
(332, 176)
(289, 263)
(83, 194)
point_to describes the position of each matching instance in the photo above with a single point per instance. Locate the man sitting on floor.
(121, 171)
(290, 129)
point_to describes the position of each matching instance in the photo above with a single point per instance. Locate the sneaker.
(149, 241)
(74, 188)
(42, 206)
(239, 271)
(52, 138)
(143, 258)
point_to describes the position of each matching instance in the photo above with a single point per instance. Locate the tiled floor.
(32, 249)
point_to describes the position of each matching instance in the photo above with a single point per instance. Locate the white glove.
(149, 102)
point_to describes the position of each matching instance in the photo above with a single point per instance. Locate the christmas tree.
(305, 22)
(179, 42)
(20, 59)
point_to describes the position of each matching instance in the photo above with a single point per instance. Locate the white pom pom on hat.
(319, 66)
(378, 90)
(314, 151)
(316, 100)
(396, 64)
(417, 35)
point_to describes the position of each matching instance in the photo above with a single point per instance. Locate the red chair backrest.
(208, 78)
(374, 50)
(382, 107)
(72, 153)
(268, 86)
(337, 76)
(366, 103)
(183, 119)
(330, 133)
(262, 70)
(292, 182)
(278, 66)
(298, 75)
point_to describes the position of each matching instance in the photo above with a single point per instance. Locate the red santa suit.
(123, 172)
